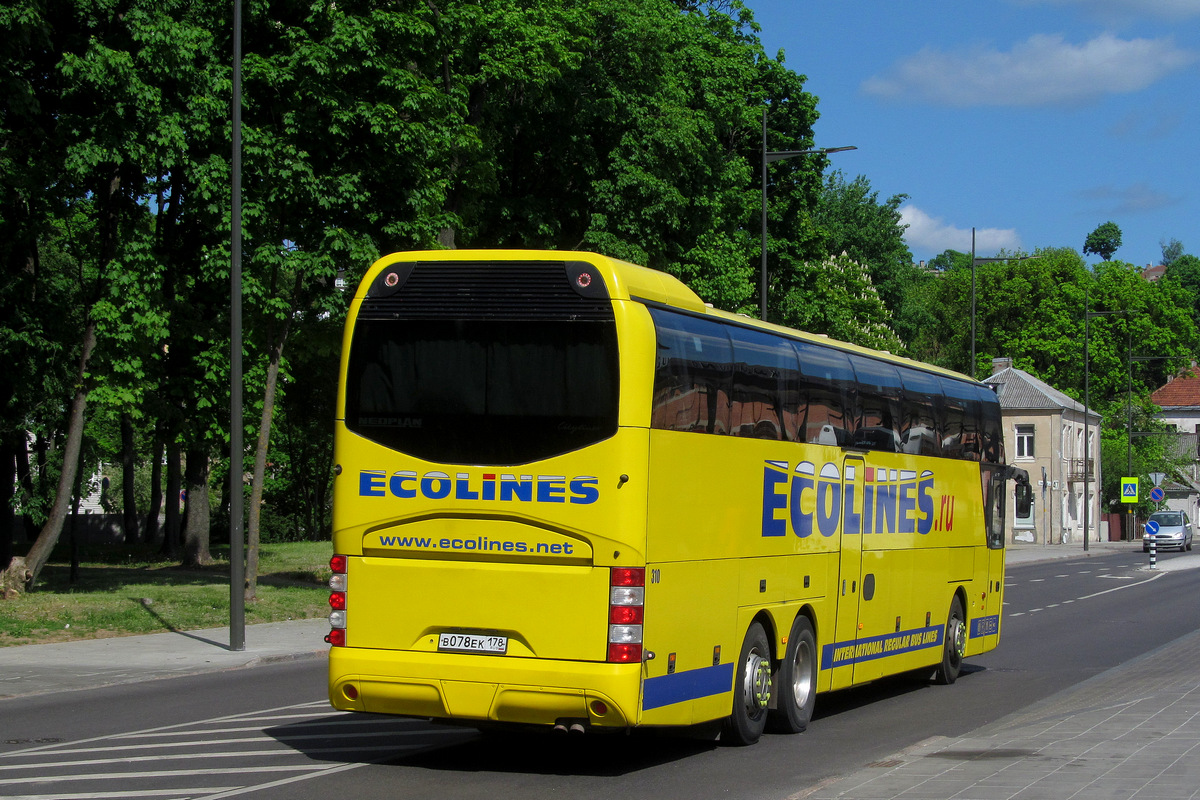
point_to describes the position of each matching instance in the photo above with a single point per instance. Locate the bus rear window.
(469, 391)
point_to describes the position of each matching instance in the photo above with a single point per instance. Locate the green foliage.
(854, 221)
(948, 260)
(1184, 272)
(850, 309)
(1104, 241)
(1172, 249)
(633, 128)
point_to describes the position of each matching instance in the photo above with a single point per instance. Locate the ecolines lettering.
(408, 485)
(891, 501)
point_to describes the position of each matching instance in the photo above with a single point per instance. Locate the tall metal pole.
(767, 157)
(972, 302)
(237, 555)
(1131, 519)
(1087, 464)
(762, 303)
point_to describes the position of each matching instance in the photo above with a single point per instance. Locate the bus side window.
(879, 405)
(992, 429)
(692, 374)
(826, 395)
(766, 381)
(923, 420)
(964, 425)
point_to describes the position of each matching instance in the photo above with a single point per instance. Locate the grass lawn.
(124, 590)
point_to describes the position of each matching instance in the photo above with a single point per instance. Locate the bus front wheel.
(955, 645)
(797, 680)
(751, 690)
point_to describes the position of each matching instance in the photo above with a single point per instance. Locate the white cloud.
(1043, 70)
(933, 234)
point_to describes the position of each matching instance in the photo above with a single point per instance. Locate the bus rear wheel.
(797, 680)
(955, 645)
(751, 690)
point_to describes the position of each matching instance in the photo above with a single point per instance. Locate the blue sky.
(1032, 121)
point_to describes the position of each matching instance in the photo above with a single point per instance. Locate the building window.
(1024, 441)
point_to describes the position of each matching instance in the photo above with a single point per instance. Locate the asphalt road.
(268, 733)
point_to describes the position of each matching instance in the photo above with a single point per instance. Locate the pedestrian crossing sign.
(1129, 490)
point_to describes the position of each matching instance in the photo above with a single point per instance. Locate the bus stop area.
(1111, 736)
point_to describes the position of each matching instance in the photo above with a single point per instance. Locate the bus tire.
(797, 680)
(954, 646)
(751, 690)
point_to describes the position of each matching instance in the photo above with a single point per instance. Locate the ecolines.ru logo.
(407, 485)
(882, 501)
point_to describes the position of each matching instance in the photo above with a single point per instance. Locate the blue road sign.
(1151, 528)
(1157, 494)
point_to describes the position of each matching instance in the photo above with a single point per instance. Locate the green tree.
(1184, 271)
(1172, 249)
(853, 220)
(949, 259)
(850, 308)
(1104, 241)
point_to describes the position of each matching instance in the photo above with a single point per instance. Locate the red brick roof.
(1182, 391)
(1153, 273)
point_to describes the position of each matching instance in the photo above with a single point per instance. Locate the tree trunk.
(156, 492)
(170, 546)
(25, 478)
(74, 537)
(254, 521)
(128, 503)
(27, 572)
(196, 535)
(8, 493)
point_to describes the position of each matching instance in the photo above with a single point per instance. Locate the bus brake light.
(626, 609)
(337, 601)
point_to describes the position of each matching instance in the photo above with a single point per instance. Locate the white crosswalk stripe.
(214, 758)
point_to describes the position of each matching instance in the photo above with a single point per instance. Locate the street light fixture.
(769, 156)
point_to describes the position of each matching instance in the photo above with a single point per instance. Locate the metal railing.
(1079, 469)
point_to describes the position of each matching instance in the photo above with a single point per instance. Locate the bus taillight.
(337, 601)
(626, 606)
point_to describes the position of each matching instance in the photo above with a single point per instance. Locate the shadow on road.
(379, 739)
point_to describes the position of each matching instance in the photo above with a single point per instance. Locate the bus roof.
(627, 281)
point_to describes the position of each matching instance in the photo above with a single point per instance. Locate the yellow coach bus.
(570, 494)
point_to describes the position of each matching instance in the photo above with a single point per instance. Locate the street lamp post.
(769, 156)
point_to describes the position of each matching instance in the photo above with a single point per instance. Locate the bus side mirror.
(1024, 498)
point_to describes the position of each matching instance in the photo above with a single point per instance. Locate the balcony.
(1081, 469)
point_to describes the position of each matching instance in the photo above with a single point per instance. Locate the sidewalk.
(88, 664)
(1116, 735)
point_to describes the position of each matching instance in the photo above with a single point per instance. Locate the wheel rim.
(958, 643)
(758, 683)
(802, 674)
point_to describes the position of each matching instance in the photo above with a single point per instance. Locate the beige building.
(1044, 433)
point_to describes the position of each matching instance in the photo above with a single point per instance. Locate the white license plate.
(472, 643)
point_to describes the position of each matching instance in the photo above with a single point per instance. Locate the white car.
(1174, 530)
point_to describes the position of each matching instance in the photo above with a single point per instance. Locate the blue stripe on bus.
(985, 626)
(691, 684)
(839, 654)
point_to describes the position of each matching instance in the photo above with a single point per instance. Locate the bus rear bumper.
(484, 688)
